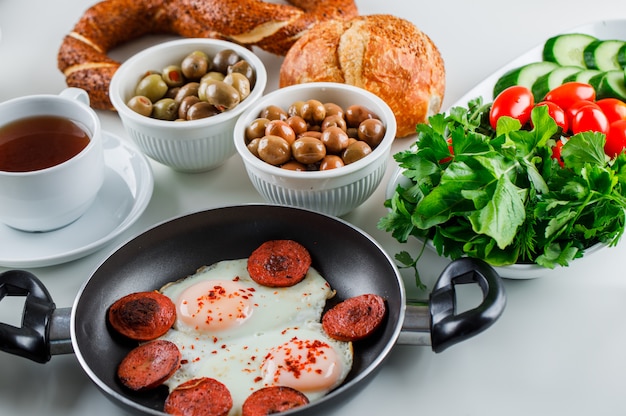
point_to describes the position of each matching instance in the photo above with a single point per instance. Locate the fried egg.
(250, 336)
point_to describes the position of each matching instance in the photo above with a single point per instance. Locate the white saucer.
(124, 196)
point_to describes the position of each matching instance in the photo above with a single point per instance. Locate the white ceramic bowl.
(333, 192)
(514, 271)
(189, 146)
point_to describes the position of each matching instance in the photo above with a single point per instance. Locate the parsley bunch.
(502, 197)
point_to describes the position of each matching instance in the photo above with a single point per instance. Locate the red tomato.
(613, 108)
(615, 138)
(573, 109)
(557, 114)
(590, 118)
(567, 94)
(451, 149)
(556, 151)
(516, 101)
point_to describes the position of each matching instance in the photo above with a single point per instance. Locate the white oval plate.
(606, 29)
(124, 196)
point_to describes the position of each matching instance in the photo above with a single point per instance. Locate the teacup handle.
(76, 94)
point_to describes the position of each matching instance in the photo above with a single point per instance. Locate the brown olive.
(218, 76)
(356, 151)
(244, 68)
(253, 146)
(280, 128)
(185, 104)
(140, 104)
(294, 165)
(201, 109)
(312, 133)
(298, 124)
(371, 131)
(295, 109)
(152, 86)
(240, 83)
(313, 112)
(355, 114)
(331, 162)
(335, 139)
(353, 132)
(223, 59)
(274, 112)
(256, 129)
(333, 109)
(222, 96)
(334, 120)
(195, 65)
(173, 76)
(274, 150)
(190, 88)
(308, 150)
(165, 109)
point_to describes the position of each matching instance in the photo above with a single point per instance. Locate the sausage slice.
(279, 263)
(202, 396)
(142, 316)
(354, 318)
(271, 400)
(149, 365)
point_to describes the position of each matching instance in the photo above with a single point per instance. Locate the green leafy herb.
(501, 196)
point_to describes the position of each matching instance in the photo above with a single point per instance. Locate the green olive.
(201, 109)
(185, 105)
(222, 95)
(274, 150)
(152, 86)
(173, 76)
(204, 83)
(240, 83)
(256, 129)
(165, 109)
(195, 65)
(371, 131)
(356, 151)
(244, 68)
(218, 76)
(308, 150)
(223, 59)
(140, 104)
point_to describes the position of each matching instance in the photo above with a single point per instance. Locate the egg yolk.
(303, 364)
(215, 305)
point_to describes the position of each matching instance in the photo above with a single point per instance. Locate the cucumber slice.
(602, 55)
(595, 81)
(567, 49)
(621, 56)
(582, 76)
(552, 79)
(612, 85)
(525, 75)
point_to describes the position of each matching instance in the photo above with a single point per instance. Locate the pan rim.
(343, 390)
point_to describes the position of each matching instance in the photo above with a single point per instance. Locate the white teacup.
(53, 197)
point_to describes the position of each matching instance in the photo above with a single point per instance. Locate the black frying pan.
(349, 259)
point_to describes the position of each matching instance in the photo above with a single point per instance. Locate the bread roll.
(384, 54)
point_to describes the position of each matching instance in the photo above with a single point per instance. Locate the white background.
(557, 350)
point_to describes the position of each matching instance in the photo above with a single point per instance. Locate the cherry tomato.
(556, 151)
(615, 138)
(557, 114)
(565, 95)
(590, 118)
(573, 109)
(613, 108)
(451, 149)
(516, 101)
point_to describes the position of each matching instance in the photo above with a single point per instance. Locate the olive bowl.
(336, 191)
(186, 146)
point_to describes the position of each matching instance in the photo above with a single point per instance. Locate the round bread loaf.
(386, 55)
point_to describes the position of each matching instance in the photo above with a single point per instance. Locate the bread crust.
(384, 54)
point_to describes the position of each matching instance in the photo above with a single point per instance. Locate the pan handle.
(40, 319)
(437, 323)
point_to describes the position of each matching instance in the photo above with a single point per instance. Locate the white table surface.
(559, 347)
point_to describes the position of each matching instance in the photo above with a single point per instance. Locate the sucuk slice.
(142, 316)
(355, 318)
(271, 400)
(279, 263)
(567, 49)
(202, 396)
(525, 75)
(149, 365)
(602, 55)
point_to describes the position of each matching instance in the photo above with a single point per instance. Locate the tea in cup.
(51, 160)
